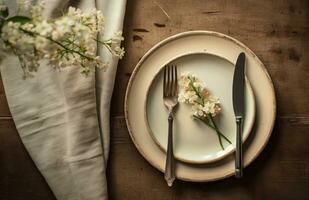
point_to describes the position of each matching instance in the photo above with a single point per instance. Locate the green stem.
(225, 138)
(218, 132)
(213, 122)
(105, 44)
(58, 43)
(220, 140)
(68, 49)
(215, 128)
(197, 92)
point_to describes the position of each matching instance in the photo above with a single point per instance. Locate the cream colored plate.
(194, 142)
(190, 43)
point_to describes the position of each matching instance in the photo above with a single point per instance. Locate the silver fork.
(170, 98)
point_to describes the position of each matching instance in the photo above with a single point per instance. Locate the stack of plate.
(211, 56)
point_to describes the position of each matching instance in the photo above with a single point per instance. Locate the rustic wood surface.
(276, 30)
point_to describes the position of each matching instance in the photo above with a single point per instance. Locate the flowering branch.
(204, 106)
(70, 40)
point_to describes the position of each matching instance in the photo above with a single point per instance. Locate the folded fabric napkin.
(63, 117)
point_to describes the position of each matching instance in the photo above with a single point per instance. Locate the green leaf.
(4, 12)
(20, 19)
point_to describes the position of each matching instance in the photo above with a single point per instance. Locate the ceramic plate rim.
(214, 34)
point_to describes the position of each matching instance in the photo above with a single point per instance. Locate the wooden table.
(276, 30)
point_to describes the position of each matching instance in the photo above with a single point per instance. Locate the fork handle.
(170, 161)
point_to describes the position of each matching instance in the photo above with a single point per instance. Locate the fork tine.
(174, 81)
(169, 86)
(164, 81)
(170, 81)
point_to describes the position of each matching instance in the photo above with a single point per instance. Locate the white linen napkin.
(114, 11)
(60, 115)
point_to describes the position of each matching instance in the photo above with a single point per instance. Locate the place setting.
(91, 89)
(200, 107)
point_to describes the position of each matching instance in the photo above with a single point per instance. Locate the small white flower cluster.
(194, 92)
(113, 45)
(204, 105)
(24, 5)
(70, 40)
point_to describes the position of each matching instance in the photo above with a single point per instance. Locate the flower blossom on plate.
(204, 106)
(193, 91)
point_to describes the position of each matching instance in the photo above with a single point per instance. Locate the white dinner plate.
(194, 142)
(195, 42)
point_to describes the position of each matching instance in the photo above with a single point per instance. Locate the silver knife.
(238, 105)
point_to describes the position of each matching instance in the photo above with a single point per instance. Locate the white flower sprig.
(70, 40)
(204, 106)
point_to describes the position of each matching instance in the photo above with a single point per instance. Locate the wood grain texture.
(19, 178)
(280, 172)
(277, 31)
(4, 109)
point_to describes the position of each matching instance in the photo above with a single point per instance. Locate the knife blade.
(238, 105)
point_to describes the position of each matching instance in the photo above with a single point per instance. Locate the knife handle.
(239, 159)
